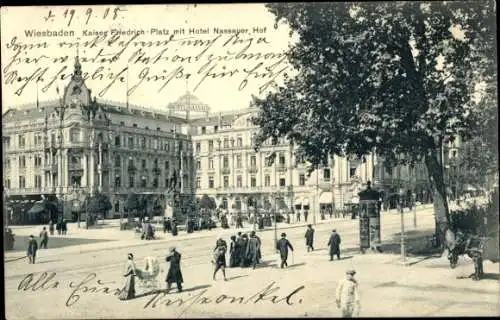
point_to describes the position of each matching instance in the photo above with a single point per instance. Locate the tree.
(133, 205)
(397, 79)
(99, 203)
(207, 203)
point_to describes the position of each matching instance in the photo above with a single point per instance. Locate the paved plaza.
(80, 281)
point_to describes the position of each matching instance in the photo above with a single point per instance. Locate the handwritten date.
(86, 15)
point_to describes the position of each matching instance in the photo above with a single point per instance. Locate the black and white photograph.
(250, 160)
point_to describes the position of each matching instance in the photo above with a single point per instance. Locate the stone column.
(91, 171)
(67, 181)
(99, 168)
(59, 171)
(85, 163)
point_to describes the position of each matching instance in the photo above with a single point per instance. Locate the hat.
(309, 225)
(351, 271)
(171, 249)
(283, 234)
(130, 256)
(334, 230)
(252, 233)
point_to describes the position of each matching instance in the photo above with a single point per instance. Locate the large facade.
(229, 170)
(78, 145)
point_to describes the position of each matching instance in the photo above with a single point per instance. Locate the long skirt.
(128, 291)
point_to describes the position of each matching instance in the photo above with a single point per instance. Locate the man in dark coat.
(243, 250)
(282, 246)
(309, 238)
(44, 235)
(334, 244)
(252, 249)
(174, 272)
(174, 227)
(32, 249)
(239, 221)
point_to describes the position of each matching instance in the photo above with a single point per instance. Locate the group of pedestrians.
(245, 250)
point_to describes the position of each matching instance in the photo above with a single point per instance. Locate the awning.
(470, 188)
(305, 202)
(38, 207)
(298, 201)
(326, 197)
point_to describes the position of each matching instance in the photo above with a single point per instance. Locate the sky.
(222, 93)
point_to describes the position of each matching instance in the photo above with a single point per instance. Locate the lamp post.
(403, 246)
(275, 220)
(414, 196)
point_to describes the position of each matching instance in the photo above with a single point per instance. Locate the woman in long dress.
(128, 292)
(233, 254)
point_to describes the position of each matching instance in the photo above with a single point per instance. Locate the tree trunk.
(434, 163)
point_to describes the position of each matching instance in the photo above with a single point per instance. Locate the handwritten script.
(91, 285)
(153, 58)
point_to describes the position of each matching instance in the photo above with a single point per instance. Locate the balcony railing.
(225, 171)
(132, 169)
(75, 166)
(253, 169)
(281, 168)
(157, 171)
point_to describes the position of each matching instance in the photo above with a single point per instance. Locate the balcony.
(30, 191)
(225, 171)
(281, 168)
(157, 171)
(75, 166)
(132, 169)
(253, 169)
(50, 167)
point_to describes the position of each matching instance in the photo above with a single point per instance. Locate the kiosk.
(369, 219)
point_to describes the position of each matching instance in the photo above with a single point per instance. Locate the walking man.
(309, 238)
(298, 216)
(334, 244)
(174, 272)
(347, 296)
(220, 257)
(44, 235)
(51, 227)
(282, 246)
(32, 249)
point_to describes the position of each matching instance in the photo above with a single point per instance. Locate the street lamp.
(403, 246)
(275, 220)
(414, 196)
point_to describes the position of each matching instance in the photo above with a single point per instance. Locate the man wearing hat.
(334, 244)
(174, 272)
(347, 296)
(282, 246)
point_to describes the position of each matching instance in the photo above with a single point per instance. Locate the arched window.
(224, 203)
(117, 206)
(238, 203)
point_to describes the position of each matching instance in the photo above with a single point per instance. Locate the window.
(267, 181)
(198, 164)
(454, 154)
(143, 163)
(155, 144)
(38, 161)
(210, 182)
(216, 128)
(117, 206)
(8, 183)
(144, 182)
(203, 130)
(22, 162)
(198, 182)
(268, 161)
(158, 129)
(37, 139)
(146, 127)
(198, 147)
(155, 163)
(22, 141)
(210, 163)
(134, 125)
(7, 164)
(22, 182)
(282, 182)
(74, 134)
(118, 161)
(167, 146)
(122, 123)
(282, 160)
(326, 174)
(210, 145)
(226, 143)
(352, 172)
(253, 161)
(155, 182)
(302, 179)
(38, 181)
(167, 165)
(130, 163)
(130, 142)
(225, 162)
(226, 181)
(118, 182)
(239, 142)
(239, 181)
(143, 142)
(118, 141)
(238, 161)
(253, 182)
(131, 182)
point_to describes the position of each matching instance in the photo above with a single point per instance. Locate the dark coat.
(334, 243)
(32, 247)
(174, 274)
(309, 237)
(282, 246)
(220, 253)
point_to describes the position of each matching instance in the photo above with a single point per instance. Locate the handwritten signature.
(267, 294)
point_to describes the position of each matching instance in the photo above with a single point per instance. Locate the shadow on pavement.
(49, 261)
(296, 265)
(418, 242)
(197, 288)
(236, 277)
(491, 276)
